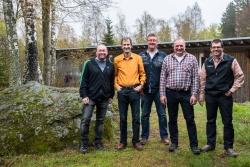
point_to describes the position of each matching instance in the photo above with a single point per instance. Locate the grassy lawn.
(155, 153)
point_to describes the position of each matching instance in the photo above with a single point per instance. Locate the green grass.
(155, 153)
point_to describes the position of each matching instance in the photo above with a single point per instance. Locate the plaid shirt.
(179, 75)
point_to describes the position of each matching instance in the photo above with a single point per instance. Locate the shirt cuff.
(232, 90)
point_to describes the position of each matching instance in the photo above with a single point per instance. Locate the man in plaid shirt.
(179, 83)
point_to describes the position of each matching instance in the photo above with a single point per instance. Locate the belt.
(129, 87)
(178, 90)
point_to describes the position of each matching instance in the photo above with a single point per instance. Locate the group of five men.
(166, 80)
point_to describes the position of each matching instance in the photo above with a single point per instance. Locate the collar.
(220, 58)
(154, 52)
(184, 55)
(101, 61)
(212, 58)
(129, 57)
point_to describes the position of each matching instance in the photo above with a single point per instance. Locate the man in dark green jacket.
(96, 89)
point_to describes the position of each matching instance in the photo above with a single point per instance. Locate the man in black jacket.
(220, 77)
(96, 89)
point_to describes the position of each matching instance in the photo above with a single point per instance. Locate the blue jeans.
(101, 109)
(147, 101)
(126, 97)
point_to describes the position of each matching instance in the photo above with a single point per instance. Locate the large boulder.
(35, 118)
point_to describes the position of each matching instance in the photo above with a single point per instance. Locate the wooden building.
(69, 61)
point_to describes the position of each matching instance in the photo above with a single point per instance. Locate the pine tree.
(242, 9)
(108, 38)
(228, 20)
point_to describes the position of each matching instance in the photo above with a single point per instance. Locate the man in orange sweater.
(129, 79)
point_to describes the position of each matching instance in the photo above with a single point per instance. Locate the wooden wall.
(73, 65)
(243, 57)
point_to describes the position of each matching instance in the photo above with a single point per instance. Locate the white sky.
(165, 9)
(212, 10)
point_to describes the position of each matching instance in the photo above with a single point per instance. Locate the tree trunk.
(53, 42)
(14, 65)
(46, 40)
(32, 70)
(24, 8)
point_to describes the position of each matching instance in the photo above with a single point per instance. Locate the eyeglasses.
(216, 47)
(152, 40)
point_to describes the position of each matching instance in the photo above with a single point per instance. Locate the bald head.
(101, 52)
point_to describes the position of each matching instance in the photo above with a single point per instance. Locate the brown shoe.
(143, 141)
(138, 146)
(121, 146)
(165, 141)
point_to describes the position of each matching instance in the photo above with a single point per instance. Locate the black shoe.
(207, 148)
(99, 146)
(83, 149)
(172, 148)
(231, 153)
(196, 150)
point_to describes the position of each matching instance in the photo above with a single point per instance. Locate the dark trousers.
(128, 97)
(147, 101)
(225, 104)
(174, 98)
(101, 109)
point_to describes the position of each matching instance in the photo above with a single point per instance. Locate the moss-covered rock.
(35, 118)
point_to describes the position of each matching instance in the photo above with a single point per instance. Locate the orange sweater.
(129, 71)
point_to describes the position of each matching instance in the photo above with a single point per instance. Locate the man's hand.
(85, 100)
(201, 99)
(138, 88)
(110, 100)
(229, 93)
(193, 100)
(119, 89)
(163, 100)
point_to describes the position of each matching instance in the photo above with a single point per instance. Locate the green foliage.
(242, 122)
(164, 32)
(243, 17)
(211, 32)
(228, 21)
(108, 37)
(3, 29)
(3, 56)
(241, 4)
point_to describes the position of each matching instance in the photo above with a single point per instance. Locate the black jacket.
(95, 84)
(220, 79)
